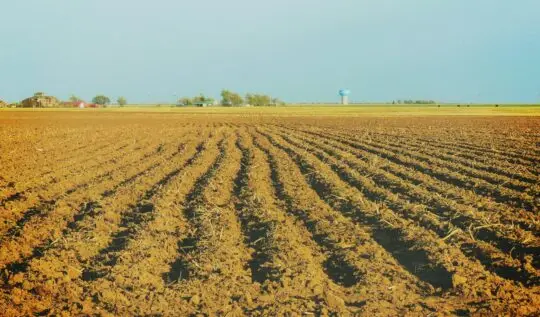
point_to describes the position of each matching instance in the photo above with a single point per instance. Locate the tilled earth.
(170, 214)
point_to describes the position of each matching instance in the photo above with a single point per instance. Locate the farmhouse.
(205, 103)
(40, 100)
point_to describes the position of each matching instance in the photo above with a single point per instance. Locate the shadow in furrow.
(447, 178)
(390, 239)
(257, 233)
(159, 149)
(40, 211)
(12, 197)
(85, 210)
(471, 250)
(464, 222)
(336, 267)
(181, 268)
(449, 150)
(46, 207)
(509, 273)
(341, 272)
(107, 256)
(403, 176)
(130, 224)
(21, 195)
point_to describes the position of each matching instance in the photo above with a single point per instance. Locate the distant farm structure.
(203, 103)
(3, 104)
(79, 104)
(344, 93)
(40, 100)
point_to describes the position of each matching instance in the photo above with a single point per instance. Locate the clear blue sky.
(301, 50)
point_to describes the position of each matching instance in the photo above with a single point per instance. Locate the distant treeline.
(232, 99)
(413, 102)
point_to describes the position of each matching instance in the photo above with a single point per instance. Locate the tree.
(277, 102)
(417, 102)
(199, 98)
(250, 99)
(74, 99)
(202, 99)
(101, 100)
(229, 98)
(258, 100)
(121, 101)
(185, 101)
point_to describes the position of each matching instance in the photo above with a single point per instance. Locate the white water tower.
(344, 93)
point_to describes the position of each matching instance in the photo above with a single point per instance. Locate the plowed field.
(180, 214)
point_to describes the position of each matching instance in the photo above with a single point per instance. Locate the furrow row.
(213, 265)
(499, 194)
(151, 246)
(41, 202)
(519, 175)
(26, 190)
(39, 163)
(352, 253)
(471, 156)
(440, 264)
(446, 164)
(70, 259)
(286, 261)
(395, 176)
(47, 222)
(442, 219)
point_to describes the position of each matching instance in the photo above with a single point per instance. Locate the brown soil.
(167, 214)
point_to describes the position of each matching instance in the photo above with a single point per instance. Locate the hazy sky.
(299, 50)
